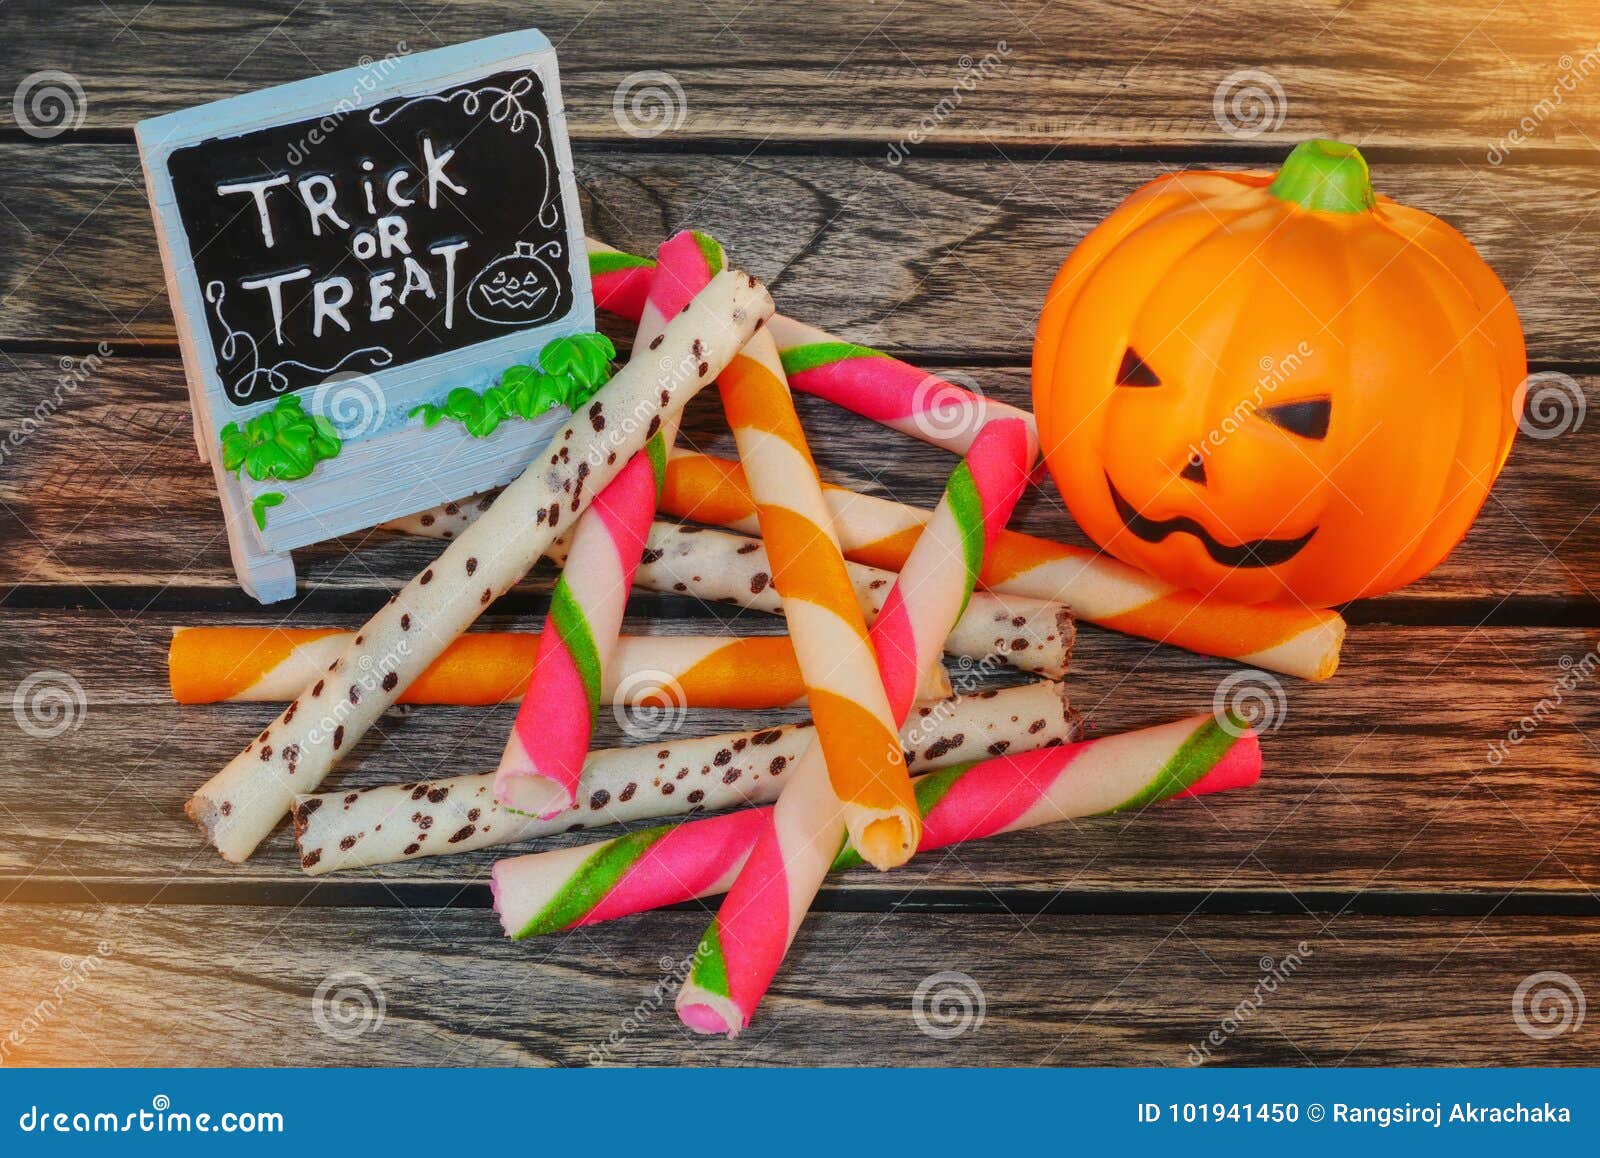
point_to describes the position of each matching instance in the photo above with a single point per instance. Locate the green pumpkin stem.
(1325, 177)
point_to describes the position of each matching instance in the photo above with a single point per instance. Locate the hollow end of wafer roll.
(1333, 632)
(885, 838)
(1067, 628)
(709, 1014)
(207, 815)
(300, 815)
(494, 900)
(531, 794)
(175, 682)
(1071, 718)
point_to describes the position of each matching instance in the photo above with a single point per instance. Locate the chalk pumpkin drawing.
(519, 289)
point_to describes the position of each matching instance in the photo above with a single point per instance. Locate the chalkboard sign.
(365, 242)
(420, 225)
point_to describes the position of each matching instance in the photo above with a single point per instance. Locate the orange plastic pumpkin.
(1277, 386)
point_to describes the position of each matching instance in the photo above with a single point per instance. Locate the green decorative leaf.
(258, 507)
(570, 370)
(235, 445)
(583, 358)
(516, 376)
(282, 443)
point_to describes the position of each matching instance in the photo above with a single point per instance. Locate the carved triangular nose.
(1194, 470)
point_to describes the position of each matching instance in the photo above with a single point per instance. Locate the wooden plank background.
(1427, 881)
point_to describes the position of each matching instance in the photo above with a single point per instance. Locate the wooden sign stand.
(367, 241)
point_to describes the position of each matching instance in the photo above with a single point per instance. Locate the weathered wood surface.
(1136, 936)
(1409, 74)
(1379, 780)
(178, 985)
(106, 491)
(906, 257)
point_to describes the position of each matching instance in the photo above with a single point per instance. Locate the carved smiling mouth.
(1252, 553)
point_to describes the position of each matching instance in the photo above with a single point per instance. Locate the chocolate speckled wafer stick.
(1030, 634)
(667, 777)
(239, 806)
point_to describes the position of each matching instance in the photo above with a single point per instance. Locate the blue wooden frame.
(394, 467)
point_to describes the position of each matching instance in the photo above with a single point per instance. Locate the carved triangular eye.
(1133, 371)
(1308, 418)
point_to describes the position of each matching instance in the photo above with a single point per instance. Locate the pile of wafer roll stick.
(874, 594)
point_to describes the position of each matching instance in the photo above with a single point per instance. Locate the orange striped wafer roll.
(271, 664)
(855, 724)
(1295, 640)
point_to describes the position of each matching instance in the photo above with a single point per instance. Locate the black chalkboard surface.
(378, 236)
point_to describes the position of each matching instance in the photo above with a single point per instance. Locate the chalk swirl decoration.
(504, 108)
(241, 346)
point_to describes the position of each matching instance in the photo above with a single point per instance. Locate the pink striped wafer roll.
(547, 891)
(939, 575)
(741, 952)
(621, 281)
(887, 390)
(543, 759)
(859, 378)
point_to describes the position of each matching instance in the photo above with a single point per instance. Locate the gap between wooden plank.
(936, 360)
(1390, 611)
(1225, 153)
(397, 894)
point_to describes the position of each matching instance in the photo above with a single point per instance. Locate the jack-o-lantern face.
(1262, 398)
